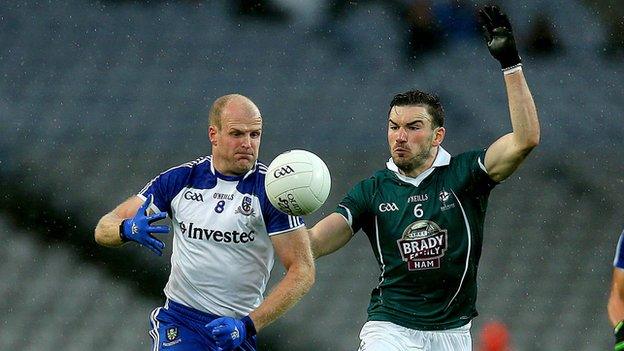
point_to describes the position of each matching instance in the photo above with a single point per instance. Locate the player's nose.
(246, 141)
(401, 135)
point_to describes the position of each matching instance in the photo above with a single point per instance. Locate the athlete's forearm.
(615, 309)
(524, 121)
(107, 230)
(297, 282)
(615, 306)
(329, 235)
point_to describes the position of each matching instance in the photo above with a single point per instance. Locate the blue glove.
(229, 333)
(139, 229)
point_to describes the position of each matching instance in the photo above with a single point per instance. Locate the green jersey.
(426, 233)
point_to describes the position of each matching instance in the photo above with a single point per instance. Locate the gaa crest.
(445, 199)
(246, 208)
(422, 245)
(444, 196)
(172, 333)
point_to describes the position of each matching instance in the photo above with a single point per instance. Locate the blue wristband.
(121, 231)
(249, 326)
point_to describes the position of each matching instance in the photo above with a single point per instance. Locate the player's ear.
(212, 135)
(438, 136)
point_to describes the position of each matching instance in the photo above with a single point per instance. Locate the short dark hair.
(416, 97)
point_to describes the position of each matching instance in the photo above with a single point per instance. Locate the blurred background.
(98, 97)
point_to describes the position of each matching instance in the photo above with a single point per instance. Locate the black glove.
(499, 36)
(619, 336)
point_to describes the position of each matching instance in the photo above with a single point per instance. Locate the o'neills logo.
(422, 245)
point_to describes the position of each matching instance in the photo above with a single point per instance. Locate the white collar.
(234, 177)
(443, 158)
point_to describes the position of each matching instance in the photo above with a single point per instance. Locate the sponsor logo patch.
(422, 245)
(231, 236)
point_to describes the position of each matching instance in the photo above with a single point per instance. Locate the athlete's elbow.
(533, 141)
(527, 144)
(99, 237)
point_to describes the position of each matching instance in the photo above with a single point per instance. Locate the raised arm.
(507, 153)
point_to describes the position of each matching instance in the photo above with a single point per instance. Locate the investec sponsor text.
(219, 236)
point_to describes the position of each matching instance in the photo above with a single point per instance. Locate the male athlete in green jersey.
(424, 213)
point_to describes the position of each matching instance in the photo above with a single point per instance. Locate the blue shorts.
(176, 327)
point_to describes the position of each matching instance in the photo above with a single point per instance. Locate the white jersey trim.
(469, 233)
(348, 220)
(286, 230)
(381, 260)
(154, 332)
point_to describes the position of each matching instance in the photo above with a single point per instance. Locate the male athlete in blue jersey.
(615, 306)
(225, 234)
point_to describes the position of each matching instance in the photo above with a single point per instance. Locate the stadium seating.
(51, 300)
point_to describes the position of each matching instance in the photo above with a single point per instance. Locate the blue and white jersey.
(222, 253)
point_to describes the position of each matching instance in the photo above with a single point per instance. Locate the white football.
(297, 182)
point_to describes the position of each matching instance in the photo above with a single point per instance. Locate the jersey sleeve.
(618, 260)
(355, 205)
(278, 222)
(471, 166)
(165, 187)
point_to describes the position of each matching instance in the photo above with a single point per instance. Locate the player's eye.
(255, 135)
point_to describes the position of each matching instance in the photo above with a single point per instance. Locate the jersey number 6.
(418, 212)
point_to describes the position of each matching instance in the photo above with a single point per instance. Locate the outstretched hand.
(499, 36)
(140, 230)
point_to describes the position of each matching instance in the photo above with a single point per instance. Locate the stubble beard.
(408, 165)
(242, 167)
(417, 161)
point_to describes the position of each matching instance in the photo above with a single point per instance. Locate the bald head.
(235, 131)
(231, 105)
